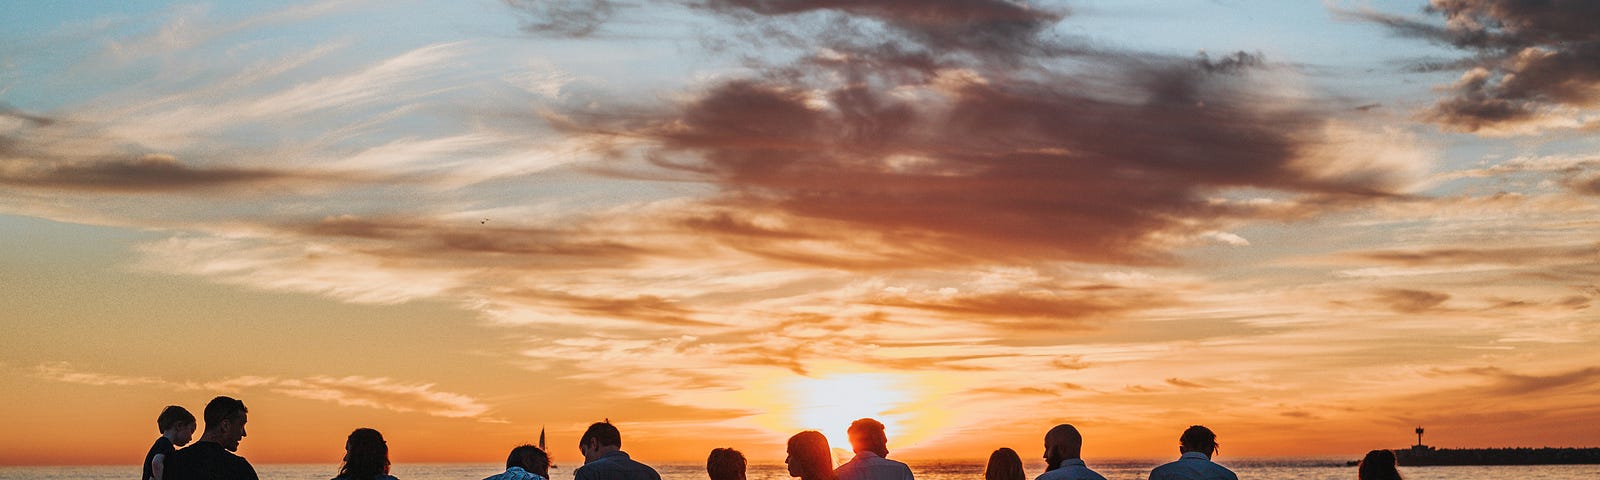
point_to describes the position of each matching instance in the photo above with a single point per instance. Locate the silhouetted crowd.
(809, 457)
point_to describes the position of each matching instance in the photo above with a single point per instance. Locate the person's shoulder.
(241, 467)
(901, 465)
(1063, 473)
(1162, 469)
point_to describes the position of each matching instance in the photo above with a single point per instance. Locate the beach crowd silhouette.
(808, 457)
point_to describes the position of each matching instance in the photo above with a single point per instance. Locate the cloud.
(421, 239)
(1535, 63)
(573, 18)
(65, 372)
(1410, 301)
(371, 392)
(383, 393)
(1181, 383)
(964, 166)
(51, 154)
(1060, 309)
(1504, 382)
(981, 27)
(1478, 255)
(144, 173)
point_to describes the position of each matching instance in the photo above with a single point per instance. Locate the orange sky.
(1311, 227)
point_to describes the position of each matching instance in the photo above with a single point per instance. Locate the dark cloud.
(1410, 301)
(33, 155)
(993, 27)
(1008, 392)
(1586, 184)
(35, 120)
(1073, 362)
(566, 18)
(1053, 310)
(1531, 56)
(1181, 383)
(145, 173)
(1507, 383)
(1004, 168)
(1463, 256)
(428, 241)
(649, 309)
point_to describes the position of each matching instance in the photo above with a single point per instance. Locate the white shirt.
(1192, 466)
(870, 466)
(1071, 469)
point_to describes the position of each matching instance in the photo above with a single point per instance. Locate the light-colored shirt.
(1071, 469)
(1192, 466)
(870, 466)
(515, 473)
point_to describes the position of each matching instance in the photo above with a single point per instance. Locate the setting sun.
(829, 404)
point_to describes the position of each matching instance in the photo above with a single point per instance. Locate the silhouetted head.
(725, 464)
(366, 455)
(866, 435)
(1198, 439)
(178, 422)
(1004, 464)
(809, 456)
(1378, 465)
(599, 439)
(1060, 444)
(529, 458)
(225, 419)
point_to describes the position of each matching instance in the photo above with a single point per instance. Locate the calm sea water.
(1248, 469)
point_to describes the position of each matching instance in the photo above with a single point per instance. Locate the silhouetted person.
(366, 456)
(872, 451)
(725, 464)
(177, 428)
(526, 462)
(1197, 445)
(809, 456)
(1378, 465)
(1004, 464)
(211, 457)
(603, 458)
(1063, 452)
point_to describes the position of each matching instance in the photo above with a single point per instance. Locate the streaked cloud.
(350, 391)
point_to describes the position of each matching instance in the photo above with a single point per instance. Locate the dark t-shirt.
(162, 447)
(207, 461)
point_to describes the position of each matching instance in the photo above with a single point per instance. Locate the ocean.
(1247, 468)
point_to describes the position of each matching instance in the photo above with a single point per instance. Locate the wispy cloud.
(357, 391)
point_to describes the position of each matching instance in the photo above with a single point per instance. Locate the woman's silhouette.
(1378, 465)
(809, 457)
(366, 456)
(1004, 464)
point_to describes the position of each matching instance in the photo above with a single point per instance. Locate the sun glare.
(829, 404)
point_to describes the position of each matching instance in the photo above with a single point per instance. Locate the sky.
(1310, 226)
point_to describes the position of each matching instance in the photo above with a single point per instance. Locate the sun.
(828, 404)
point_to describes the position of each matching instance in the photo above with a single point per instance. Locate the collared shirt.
(1192, 466)
(870, 466)
(1071, 469)
(615, 466)
(515, 473)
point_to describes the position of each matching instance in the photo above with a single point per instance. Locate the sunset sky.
(1309, 225)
